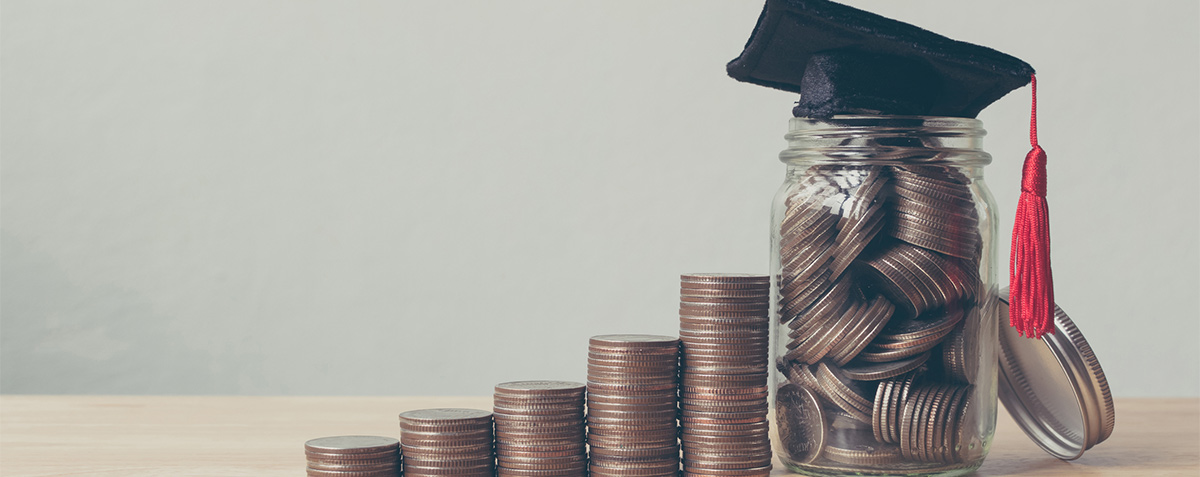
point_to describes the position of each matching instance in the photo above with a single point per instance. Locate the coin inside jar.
(801, 423)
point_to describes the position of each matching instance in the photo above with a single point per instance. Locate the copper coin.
(875, 317)
(627, 441)
(854, 449)
(759, 293)
(724, 278)
(410, 439)
(541, 388)
(866, 371)
(934, 324)
(414, 437)
(832, 378)
(311, 472)
(801, 423)
(423, 468)
(713, 380)
(722, 397)
(352, 445)
(655, 397)
(756, 322)
(625, 341)
(759, 298)
(334, 458)
(709, 407)
(539, 400)
(653, 406)
(595, 415)
(615, 426)
(445, 418)
(763, 471)
(359, 465)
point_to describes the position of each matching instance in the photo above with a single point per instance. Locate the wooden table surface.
(263, 436)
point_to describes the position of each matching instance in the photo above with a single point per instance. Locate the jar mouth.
(877, 124)
(884, 139)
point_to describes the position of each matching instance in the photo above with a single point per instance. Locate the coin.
(632, 395)
(844, 392)
(723, 369)
(311, 472)
(874, 318)
(867, 371)
(447, 441)
(541, 388)
(859, 449)
(722, 279)
(445, 418)
(801, 423)
(352, 455)
(960, 357)
(341, 445)
(916, 328)
(634, 341)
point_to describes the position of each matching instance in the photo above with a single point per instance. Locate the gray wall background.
(428, 198)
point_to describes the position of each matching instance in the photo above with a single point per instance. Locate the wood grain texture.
(264, 436)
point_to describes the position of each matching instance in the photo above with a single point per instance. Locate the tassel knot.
(1033, 175)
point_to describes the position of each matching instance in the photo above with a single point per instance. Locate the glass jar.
(883, 260)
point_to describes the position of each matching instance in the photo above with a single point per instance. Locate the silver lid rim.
(1075, 359)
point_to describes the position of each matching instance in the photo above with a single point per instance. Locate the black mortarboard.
(844, 60)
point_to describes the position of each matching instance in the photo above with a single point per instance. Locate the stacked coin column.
(366, 456)
(540, 429)
(449, 442)
(631, 397)
(724, 329)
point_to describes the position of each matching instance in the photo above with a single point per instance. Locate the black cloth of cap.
(843, 60)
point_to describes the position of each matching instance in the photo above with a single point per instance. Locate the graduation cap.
(843, 60)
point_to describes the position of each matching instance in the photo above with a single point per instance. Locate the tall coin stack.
(448, 442)
(540, 429)
(724, 327)
(878, 286)
(631, 396)
(340, 456)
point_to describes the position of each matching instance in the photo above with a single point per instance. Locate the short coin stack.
(631, 396)
(540, 429)
(447, 442)
(365, 456)
(724, 329)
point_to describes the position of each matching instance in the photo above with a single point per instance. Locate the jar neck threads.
(883, 140)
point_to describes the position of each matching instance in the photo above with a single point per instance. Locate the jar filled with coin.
(889, 354)
(884, 264)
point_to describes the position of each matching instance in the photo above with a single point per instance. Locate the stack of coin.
(447, 442)
(919, 280)
(890, 397)
(631, 398)
(838, 332)
(807, 237)
(960, 354)
(933, 208)
(540, 429)
(934, 421)
(366, 456)
(830, 219)
(724, 329)
(904, 338)
(879, 276)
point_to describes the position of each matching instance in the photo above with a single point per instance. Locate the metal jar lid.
(1054, 387)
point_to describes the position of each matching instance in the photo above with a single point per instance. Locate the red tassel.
(1031, 286)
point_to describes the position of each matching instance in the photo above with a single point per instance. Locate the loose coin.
(801, 423)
